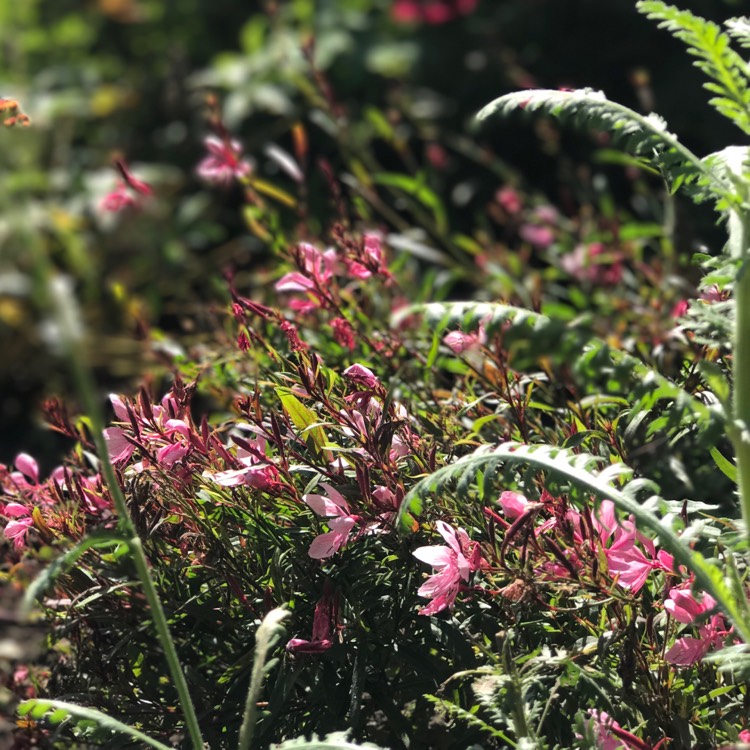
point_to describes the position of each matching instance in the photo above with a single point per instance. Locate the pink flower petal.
(28, 467)
(687, 651)
(437, 557)
(15, 510)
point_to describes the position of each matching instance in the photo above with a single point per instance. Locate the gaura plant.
(722, 178)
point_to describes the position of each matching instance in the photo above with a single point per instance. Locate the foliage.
(484, 524)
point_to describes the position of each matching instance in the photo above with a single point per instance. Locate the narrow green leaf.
(303, 418)
(727, 468)
(417, 190)
(56, 711)
(98, 540)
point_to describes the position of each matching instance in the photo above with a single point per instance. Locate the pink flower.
(120, 449)
(223, 163)
(680, 308)
(536, 235)
(369, 258)
(118, 199)
(685, 608)
(459, 342)
(431, 11)
(26, 479)
(255, 472)
(582, 263)
(168, 455)
(628, 563)
(128, 193)
(362, 376)
(509, 199)
(609, 735)
(16, 529)
(334, 507)
(326, 612)
(343, 333)
(687, 651)
(452, 565)
(314, 277)
(514, 504)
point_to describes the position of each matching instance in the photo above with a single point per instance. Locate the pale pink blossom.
(168, 455)
(28, 468)
(459, 342)
(371, 259)
(514, 504)
(254, 472)
(683, 605)
(315, 274)
(16, 529)
(334, 507)
(539, 236)
(609, 735)
(452, 566)
(223, 163)
(594, 264)
(362, 375)
(119, 448)
(687, 650)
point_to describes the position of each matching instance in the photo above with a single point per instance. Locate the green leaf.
(303, 418)
(98, 540)
(645, 137)
(417, 190)
(727, 468)
(267, 635)
(56, 711)
(715, 57)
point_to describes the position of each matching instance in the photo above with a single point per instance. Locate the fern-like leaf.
(55, 712)
(716, 58)
(468, 718)
(336, 741)
(739, 29)
(646, 137)
(581, 470)
(541, 335)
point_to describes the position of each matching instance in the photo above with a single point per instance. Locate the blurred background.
(390, 85)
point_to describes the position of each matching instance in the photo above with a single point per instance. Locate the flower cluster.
(10, 111)
(571, 545)
(33, 501)
(319, 272)
(431, 11)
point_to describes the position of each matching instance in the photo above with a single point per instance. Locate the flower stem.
(739, 242)
(64, 310)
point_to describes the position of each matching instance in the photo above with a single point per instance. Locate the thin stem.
(739, 242)
(64, 309)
